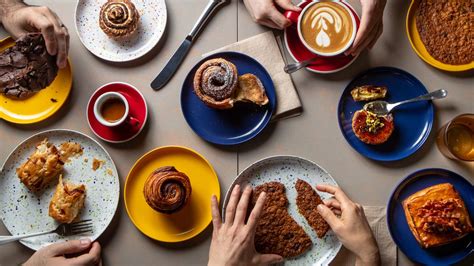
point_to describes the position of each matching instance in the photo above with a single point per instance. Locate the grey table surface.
(314, 135)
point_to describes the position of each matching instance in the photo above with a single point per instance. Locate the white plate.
(287, 170)
(153, 16)
(23, 212)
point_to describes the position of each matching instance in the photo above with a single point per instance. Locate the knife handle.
(211, 6)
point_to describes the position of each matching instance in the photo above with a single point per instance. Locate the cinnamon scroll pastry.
(119, 18)
(215, 83)
(167, 190)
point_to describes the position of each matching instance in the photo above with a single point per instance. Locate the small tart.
(215, 83)
(119, 18)
(167, 190)
(372, 129)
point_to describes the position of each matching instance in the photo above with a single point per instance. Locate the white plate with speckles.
(153, 17)
(287, 170)
(23, 212)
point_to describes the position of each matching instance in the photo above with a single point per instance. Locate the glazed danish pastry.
(167, 190)
(42, 167)
(119, 18)
(215, 83)
(67, 201)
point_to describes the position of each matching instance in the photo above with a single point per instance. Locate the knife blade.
(172, 65)
(176, 60)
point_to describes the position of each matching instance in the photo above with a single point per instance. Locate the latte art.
(327, 27)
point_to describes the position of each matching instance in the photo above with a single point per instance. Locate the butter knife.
(178, 57)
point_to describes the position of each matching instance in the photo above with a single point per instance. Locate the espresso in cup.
(328, 28)
(113, 109)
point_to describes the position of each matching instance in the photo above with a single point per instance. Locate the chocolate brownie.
(277, 232)
(307, 200)
(26, 67)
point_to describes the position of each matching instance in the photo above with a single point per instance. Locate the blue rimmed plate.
(443, 255)
(413, 122)
(232, 126)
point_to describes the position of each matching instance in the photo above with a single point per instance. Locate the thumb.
(69, 247)
(288, 5)
(268, 259)
(328, 215)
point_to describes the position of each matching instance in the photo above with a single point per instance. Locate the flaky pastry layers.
(41, 168)
(437, 215)
(167, 190)
(119, 18)
(67, 201)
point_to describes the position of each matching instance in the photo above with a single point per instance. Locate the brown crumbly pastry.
(26, 67)
(41, 168)
(167, 190)
(119, 18)
(446, 29)
(368, 93)
(372, 129)
(216, 82)
(277, 232)
(437, 215)
(67, 201)
(96, 164)
(70, 149)
(307, 200)
(251, 90)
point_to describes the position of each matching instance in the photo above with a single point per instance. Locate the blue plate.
(236, 125)
(398, 226)
(413, 121)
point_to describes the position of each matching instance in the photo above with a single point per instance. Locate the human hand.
(19, 19)
(233, 240)
(54, 254)
(351, 228)
(371, 26)
(265, 12)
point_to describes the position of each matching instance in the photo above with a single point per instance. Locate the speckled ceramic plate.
(287, 170)
(23, 212)
(152, 25)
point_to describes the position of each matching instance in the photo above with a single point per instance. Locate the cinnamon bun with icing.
(216, 82)
(119, 18)
(167, 190)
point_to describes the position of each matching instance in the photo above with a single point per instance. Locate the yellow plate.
(419, 47)
(194, 217)
(42, 104)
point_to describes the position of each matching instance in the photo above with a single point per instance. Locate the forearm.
(7, 6)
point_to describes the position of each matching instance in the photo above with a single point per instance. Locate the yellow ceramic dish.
(419, 47)
(194, 217)
(42, 104)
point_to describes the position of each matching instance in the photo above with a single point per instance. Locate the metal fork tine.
(81, 227)
(83, 221)
(81, 232)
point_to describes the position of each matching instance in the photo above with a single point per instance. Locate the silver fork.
(290, 68)
(62, 230)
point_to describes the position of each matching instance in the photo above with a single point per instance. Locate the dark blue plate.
(398, 226)
(236, 125)
(413, 121)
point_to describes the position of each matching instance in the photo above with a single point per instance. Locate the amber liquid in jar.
(456, 139)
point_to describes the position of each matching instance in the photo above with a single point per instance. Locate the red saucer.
(299, 52)
(138, 110)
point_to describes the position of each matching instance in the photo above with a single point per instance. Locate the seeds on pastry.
(372, 129)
